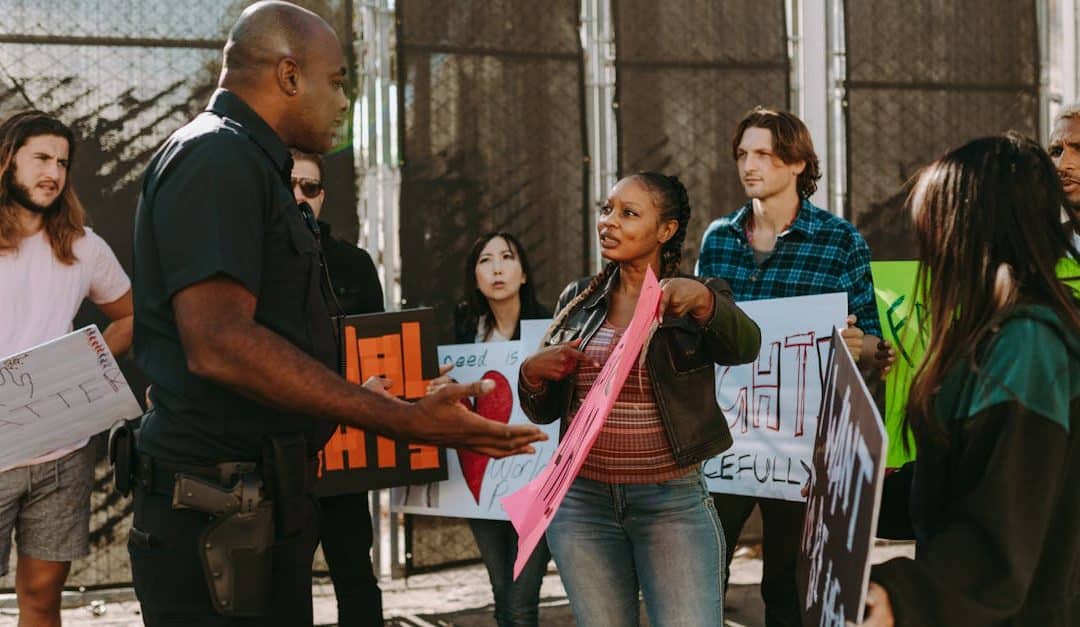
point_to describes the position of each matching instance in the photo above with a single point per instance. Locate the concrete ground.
(460, 597)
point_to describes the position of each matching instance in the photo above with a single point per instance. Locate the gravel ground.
(460, 597)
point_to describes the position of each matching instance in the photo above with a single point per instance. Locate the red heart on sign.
(497, 405)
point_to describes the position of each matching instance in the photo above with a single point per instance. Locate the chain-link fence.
(125, 74)
(492, 139)
(923, 77)
(492, 128)
(686, 73)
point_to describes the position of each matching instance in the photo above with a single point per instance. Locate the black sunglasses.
(310, 188)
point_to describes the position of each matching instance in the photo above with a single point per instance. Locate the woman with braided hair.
(638, 515)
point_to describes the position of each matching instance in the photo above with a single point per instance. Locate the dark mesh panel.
(687, 72)
(492, 138)
(924, 77)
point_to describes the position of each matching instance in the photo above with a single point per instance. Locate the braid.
(589, 290)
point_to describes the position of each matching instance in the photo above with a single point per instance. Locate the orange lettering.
(423, 457)
(346, 450)
(387, 450)
(415, 386)
(352, 359)
(381, 357)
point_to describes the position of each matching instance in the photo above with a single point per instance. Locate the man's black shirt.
(353, 275)
(216, 202)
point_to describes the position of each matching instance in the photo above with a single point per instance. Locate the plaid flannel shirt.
(820, 253)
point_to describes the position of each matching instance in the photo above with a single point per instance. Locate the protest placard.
(845, 498)
(903, 319)
(476, 483)
(400, 346)
(772, 403)
(58, 394)
(532, 507)
(905, 324)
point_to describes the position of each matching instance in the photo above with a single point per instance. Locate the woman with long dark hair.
(499, 294)
(995, 500)
(638, 516)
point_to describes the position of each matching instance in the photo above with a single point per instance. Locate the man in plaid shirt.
(776, 245)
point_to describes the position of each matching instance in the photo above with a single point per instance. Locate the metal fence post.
(598, 45)
(378, 171)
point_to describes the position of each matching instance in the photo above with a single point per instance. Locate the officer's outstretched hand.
(440, 418)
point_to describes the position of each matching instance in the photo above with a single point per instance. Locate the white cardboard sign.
(60, 393)
(772, 403)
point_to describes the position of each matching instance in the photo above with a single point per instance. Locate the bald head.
(268, 32)
(287, 64)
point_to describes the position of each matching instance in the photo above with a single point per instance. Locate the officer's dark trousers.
(782, 525)
(345, 529)
(169, 580)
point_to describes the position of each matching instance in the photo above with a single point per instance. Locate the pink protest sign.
(532, 507)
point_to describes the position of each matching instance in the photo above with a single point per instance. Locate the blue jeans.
(609, 540)
(516, 602)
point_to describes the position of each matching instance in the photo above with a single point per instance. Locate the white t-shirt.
(39, 295)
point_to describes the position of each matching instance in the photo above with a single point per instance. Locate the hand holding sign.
(685, 296)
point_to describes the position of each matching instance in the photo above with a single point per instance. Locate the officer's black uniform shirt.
(216, 202)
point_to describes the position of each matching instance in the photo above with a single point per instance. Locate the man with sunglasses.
(345, 521)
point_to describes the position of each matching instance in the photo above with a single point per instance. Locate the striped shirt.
(632, 446)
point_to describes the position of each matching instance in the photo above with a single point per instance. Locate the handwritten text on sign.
(389, 345)
(475, 482)
(532, 507)
(845, 497)
(60, 393)
(772, 403)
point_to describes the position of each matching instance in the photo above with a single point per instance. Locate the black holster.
(236, 546)
(236, 552)
(122, 455)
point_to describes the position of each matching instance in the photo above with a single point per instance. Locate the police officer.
(233, 330)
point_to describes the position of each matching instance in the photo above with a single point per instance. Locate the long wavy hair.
(65, 224)
(670, 196)
(475, 305)
(987, 220)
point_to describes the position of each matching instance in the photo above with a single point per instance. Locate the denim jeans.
(516, 602)
(610, 540)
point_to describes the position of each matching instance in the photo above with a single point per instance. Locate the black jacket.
(465, 320)
(352, 274)
(680, 362)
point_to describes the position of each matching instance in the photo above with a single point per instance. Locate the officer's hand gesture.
(442, 419)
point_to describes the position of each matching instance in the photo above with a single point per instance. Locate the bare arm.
(118, 334)
(223, 343)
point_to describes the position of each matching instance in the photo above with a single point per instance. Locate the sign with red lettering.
(58, 394)
(772, 403)
(401, 347)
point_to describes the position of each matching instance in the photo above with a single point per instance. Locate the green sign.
(902, 321)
